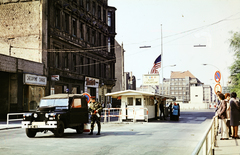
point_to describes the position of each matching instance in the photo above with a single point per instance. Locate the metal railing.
(15, 119)
(206, 145)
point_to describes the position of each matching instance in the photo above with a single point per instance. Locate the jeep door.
(78, 111)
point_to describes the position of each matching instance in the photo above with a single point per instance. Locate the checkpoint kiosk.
(139, 105)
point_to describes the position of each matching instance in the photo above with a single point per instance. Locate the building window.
(65, 60)
(130, 101)
(93, 36)
(88, 5)
(138, 101)
(81, 31)
(88, 66)
(99, 12)
(93, 8)
(74, 62)
(109, 19)
(74, 27)
(88, 35)
(94, 68)
(100, 70)
(99, 39)
(57, 60)
(109, 44)
(81, 3)
(104, 16)
(104, 70)
(66, 23)
(81, 65)
(57, 18)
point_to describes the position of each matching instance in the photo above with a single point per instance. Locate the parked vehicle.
(56, 113)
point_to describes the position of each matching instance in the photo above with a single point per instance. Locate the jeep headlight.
(35, 115)
(46, 115)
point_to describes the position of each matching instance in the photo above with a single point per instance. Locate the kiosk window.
(130, 101)
(138, 101)
(77, 103)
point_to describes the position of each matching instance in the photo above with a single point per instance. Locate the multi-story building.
(180, 84)
(55, 46)
(207, 94)
(165, 87)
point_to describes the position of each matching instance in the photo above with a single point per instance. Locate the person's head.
(227, 96)
(233, 95)
(175, 103)
(221, 96)
(218, 92)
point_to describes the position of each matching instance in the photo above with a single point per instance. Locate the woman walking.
(234, 118)
(223, 117)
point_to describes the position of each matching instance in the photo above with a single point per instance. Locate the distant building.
(180, 83)
(207, 94)
(119, 68)
(164, 88)
(130, 81)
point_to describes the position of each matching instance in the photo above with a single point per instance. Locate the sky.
(185, 23)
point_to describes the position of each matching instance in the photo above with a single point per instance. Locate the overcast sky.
(185, 23)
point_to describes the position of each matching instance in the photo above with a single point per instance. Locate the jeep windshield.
(53, 102)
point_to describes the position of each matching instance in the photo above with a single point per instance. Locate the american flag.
(156, 65)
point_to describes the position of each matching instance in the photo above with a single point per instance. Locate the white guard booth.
(139, 105)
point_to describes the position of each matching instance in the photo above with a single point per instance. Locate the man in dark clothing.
(161, 111)
(95, 109)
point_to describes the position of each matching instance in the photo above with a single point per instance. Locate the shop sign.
(55, 77)
(31, 79)
(91, 82)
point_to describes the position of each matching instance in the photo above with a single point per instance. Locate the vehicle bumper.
(39, 125)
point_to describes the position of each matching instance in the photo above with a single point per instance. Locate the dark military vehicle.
(57, 112)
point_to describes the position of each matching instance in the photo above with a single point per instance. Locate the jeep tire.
(31, 133)
(59, 131)
(80, 128)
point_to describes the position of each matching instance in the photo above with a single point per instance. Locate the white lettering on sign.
(31, 79)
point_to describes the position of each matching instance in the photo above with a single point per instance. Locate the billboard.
(151, 79)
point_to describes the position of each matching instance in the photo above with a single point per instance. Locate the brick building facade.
(73, 39)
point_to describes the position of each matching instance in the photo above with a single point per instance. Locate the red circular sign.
(217, 87)
(217, 76)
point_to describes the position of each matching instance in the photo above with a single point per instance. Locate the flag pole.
(162, 57)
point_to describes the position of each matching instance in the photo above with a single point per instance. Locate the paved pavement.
(227, 147)
(223, 147)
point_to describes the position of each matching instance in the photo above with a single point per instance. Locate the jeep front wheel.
(31, 133)
(59, 131)
(80, 129)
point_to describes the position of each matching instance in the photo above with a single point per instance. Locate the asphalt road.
(155, 137)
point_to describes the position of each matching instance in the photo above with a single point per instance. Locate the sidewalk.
(227, 147)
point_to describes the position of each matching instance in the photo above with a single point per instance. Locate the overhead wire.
(187, 32)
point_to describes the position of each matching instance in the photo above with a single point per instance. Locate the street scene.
(120, 77)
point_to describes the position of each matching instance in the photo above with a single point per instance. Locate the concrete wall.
(196, 95)
(20, 30)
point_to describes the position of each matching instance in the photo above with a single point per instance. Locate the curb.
(6, 128)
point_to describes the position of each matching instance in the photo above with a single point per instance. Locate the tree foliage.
(235, 68)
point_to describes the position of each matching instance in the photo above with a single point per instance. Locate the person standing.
(161, 106)
(95, 110)
(175, 112)
(234, 117)
(227, 98)
(223, 117)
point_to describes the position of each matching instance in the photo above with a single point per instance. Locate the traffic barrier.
(14, 114)
(107, 114)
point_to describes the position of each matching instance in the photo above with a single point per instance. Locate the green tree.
(235, 68)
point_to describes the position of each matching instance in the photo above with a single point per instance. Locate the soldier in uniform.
(95, 109)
